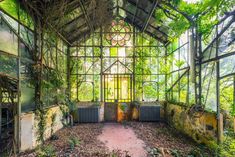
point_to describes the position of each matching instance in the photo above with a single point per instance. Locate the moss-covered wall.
(202, 127)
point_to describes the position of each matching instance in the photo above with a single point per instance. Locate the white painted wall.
(29, 125)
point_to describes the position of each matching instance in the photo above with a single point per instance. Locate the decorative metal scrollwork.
(118, 33)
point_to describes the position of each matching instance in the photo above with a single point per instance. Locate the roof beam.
(149, 16)
(73, 31)
(72, 21)
(149, 33)
(77, 33)
(29, 6)
(74, 4)
(139, 8)
(157, 29)
(219, 34)
(144, 11)
(80, 35)
(136, 7)
(77, 18)
(86, 16)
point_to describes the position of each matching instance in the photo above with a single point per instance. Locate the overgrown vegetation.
(41, 114)
(227, 147)
(53, 120)
(184, 15)
(46, 151)
(74, 142)
(34, 50)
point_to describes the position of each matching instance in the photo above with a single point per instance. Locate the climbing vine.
(41, 115)
(183, 15)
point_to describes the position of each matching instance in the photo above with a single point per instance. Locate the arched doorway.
(118, 88)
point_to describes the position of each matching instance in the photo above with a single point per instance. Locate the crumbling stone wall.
(202, 127)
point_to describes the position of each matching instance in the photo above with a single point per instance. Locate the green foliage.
(54, 84)
(41, 114)
(65, 112)
(53, 118)
(179, 63)
(202, 13)
(178, 26)
(150, 91)
(176, 2)
(195, 153)
(71, 105)
(164, 68)
(8, 65)
(227, 148)
(123, 107)
(86, 92)
(51, 79)
(226, 96)
(155, 151)
(10, 6)
(46, 151)
(175, 153)
(74, 142)
(232, 110)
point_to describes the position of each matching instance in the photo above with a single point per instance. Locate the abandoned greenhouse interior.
(125, 78)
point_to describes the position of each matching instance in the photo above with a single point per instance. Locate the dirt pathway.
(117, 137)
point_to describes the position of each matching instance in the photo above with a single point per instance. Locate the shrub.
(46, 151)
(74, 142)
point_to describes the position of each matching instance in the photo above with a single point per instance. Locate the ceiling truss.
(140, 14)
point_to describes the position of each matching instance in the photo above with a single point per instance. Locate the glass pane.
(150, 91)
(85, 90)
(27, 96)
(8, 41)
(227, 65)
(8, 65)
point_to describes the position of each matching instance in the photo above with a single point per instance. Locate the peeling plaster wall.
(202, 128)
(29, 127)
(27, 131)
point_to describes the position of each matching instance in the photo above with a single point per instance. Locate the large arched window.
(150, 91)
(85, 91)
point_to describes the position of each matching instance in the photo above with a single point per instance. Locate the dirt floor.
(116, 136)
(162, 140)
(131, 139)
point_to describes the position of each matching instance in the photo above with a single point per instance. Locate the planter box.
(88, 114)
(150, 113)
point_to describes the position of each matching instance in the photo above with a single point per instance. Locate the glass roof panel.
(72, 15)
